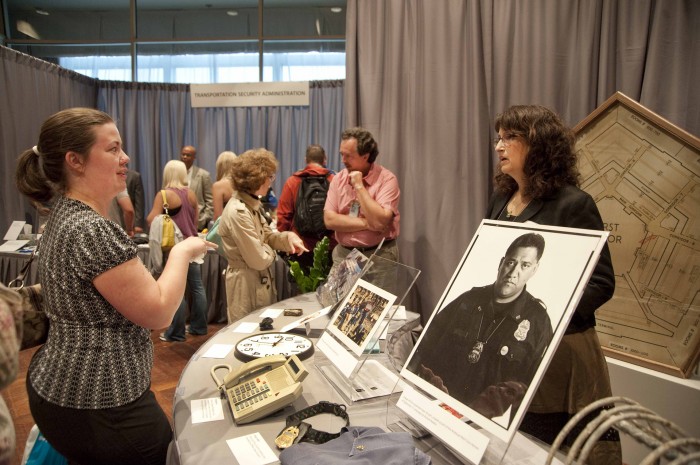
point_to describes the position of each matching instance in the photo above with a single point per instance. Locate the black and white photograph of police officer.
(484, 347)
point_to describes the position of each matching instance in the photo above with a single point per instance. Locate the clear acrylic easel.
(373, 376)
(498, 452)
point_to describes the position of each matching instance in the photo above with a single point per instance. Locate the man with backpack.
(300, 207)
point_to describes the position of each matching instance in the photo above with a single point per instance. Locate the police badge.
(520, 334)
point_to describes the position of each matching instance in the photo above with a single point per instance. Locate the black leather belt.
(365, 249)
(297, 430)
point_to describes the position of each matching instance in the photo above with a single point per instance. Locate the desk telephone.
(261, 387)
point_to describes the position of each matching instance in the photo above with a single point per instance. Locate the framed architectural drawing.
(644, 174)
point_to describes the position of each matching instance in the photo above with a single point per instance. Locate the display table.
(212, 277)
(10, 265)
(206, 442)
(673, 398)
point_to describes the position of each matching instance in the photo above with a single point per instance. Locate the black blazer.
(573, 208)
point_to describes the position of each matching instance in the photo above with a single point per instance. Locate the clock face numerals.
(262, 345)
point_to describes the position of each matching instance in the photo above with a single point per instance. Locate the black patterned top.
(94, 358)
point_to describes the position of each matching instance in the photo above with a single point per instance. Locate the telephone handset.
(261, 387)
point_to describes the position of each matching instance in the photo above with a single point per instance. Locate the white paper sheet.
(251, 450)
(218, 351)
(11, 246)
(337, 354)
(246, 328)
(458, 436)
(306, 319)
(271, 312)
(400, 312)
(204, 410)
(372, 380)
(14, 230)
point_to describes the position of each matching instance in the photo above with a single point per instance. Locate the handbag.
(168, 232)
(31, 322)
(213, 236)
(38, 451)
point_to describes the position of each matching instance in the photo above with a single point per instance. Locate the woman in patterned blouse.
(89, 385)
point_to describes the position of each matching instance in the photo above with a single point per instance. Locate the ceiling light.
(336, 9)
(232, 13)
(41, 12)
(26, 28)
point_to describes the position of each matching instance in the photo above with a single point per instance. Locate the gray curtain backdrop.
(157, 120)
(31, 91)
(428, 79)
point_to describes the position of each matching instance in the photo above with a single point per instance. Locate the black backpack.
(308, 210)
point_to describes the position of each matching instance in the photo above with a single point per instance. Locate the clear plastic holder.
(399, 422)
(495, 452)
(520, 449)
(367, 375)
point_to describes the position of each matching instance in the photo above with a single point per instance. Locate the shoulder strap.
(165, 201)
(18, 282)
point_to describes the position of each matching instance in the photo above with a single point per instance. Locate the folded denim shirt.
(358, 445)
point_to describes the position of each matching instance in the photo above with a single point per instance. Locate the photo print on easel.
(359, 315)
(341, 278)
(497, 325)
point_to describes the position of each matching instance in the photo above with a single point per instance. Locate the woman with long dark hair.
(537, 180)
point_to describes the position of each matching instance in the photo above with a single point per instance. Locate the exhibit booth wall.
(155, 121)
(31, 91)
(427, 78)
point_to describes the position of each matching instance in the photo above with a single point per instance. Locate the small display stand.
(521, 449)
(476, 442)
(350, 352)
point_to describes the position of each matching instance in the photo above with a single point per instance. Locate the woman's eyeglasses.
(507, 139)
(273, 177)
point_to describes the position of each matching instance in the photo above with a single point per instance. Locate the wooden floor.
(169, 360)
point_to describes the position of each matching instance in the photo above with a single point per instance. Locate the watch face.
(264, 344)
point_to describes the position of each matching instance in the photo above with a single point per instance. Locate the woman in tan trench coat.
(249, 243)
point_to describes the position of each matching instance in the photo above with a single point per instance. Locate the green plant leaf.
(317, 273)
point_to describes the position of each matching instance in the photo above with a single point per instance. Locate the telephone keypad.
(250, 393)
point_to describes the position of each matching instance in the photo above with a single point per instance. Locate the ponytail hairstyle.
(223, 164)
(41, 173)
